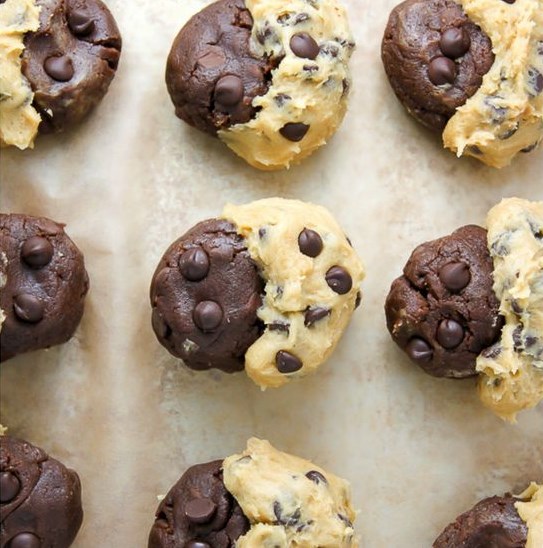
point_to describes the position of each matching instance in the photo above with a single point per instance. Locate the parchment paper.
(114, 405)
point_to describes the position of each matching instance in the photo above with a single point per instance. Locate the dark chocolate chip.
(25, 540)
(281, 99)
(294, 131)
(509, 1)
(262, 233)
(28, 308)
(196, 544)
(310, 242)
(529, 148)
(316, 476)
(80, 23)
(37, 252)
(279, 326)
(449, 334)
(200, 510)
(9, 486)
(517, 337)
(419, 350)
(287, 362)
(492, 352)
(441, 70)
(313, 315)
(207, 315)
(194, 264)
(455, 276)
(339, 280)
(358, 300)
(60, 69)
(303, 45)
(454, 42)
(229, 90)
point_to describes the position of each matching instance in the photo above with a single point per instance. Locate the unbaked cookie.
(43, 282)
(472, 69)
(261, 497)
(40, 499)
(269, 287)
(269, 78)
(472, 303)
(58, 58)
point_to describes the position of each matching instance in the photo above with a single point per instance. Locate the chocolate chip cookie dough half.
(472, 304)
(269, 78)
(472, 69)
(57, 60)
(260, 498)
(269, 287)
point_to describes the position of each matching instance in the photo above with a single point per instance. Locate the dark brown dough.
(205, 293)
(46, 284)
(214, 44)
(198, 512)
(492, 523)
(412, 43)
(70, 60)
(443, 311)
(40, 498)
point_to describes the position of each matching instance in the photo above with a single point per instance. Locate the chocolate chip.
(80, 23)
(262, 233)
(454, 42)
(345, 520)
(207, 315)
(339, 280)
(196, 544)
(281, 99)
(229, 90)
(316, 476)
(9, 486)
(441, 70)
(37, 252)
(287, 362)
(449, 334)
(455, 276)
(59, 68)
(294, 131)
(194, 264)
(288, 521)
(419, 350)
(529, 148)
(28, 308)
(509, 1)
(25, 540)
(303, 45)
(358, 300)
(535, 81)
(492, 352)
(313, 315)
(310, 242)
(200, 510)
(279, 326)
(517, 337)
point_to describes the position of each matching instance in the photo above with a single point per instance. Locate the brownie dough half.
(40, 499)
(43, 284)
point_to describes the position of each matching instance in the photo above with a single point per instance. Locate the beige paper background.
(113, 404)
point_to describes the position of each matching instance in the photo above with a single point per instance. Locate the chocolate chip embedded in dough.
(207, 315)
(455, 276)
(28, 308)
(194, 264)
(454, 42)
(419, 350)
(316, 477)
(196, 544)
(442, 70)
(9, 486)
(449, 334)
(339, 280)
(294, 131)
(509, 1)
(25, 540)
(310, 242)
(287, 362)
(60, 69)
(303, 45)
(228, 91)
(80, 22)
(313, 315)
(200, 510)
(37, 252)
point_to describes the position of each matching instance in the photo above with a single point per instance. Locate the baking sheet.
(114, 405)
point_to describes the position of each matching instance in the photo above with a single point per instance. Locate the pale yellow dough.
(531, 512)
(284, 507)
(294, 282)
(19, 121)
(505, 116)
(302, 90)
(513, 379)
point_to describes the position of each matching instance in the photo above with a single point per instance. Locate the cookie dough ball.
(271, 286)
(43, 282)
(472, 68)
(67, 55)
(269, 78)
(435, 58)
(40, 498)
(442, 312)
